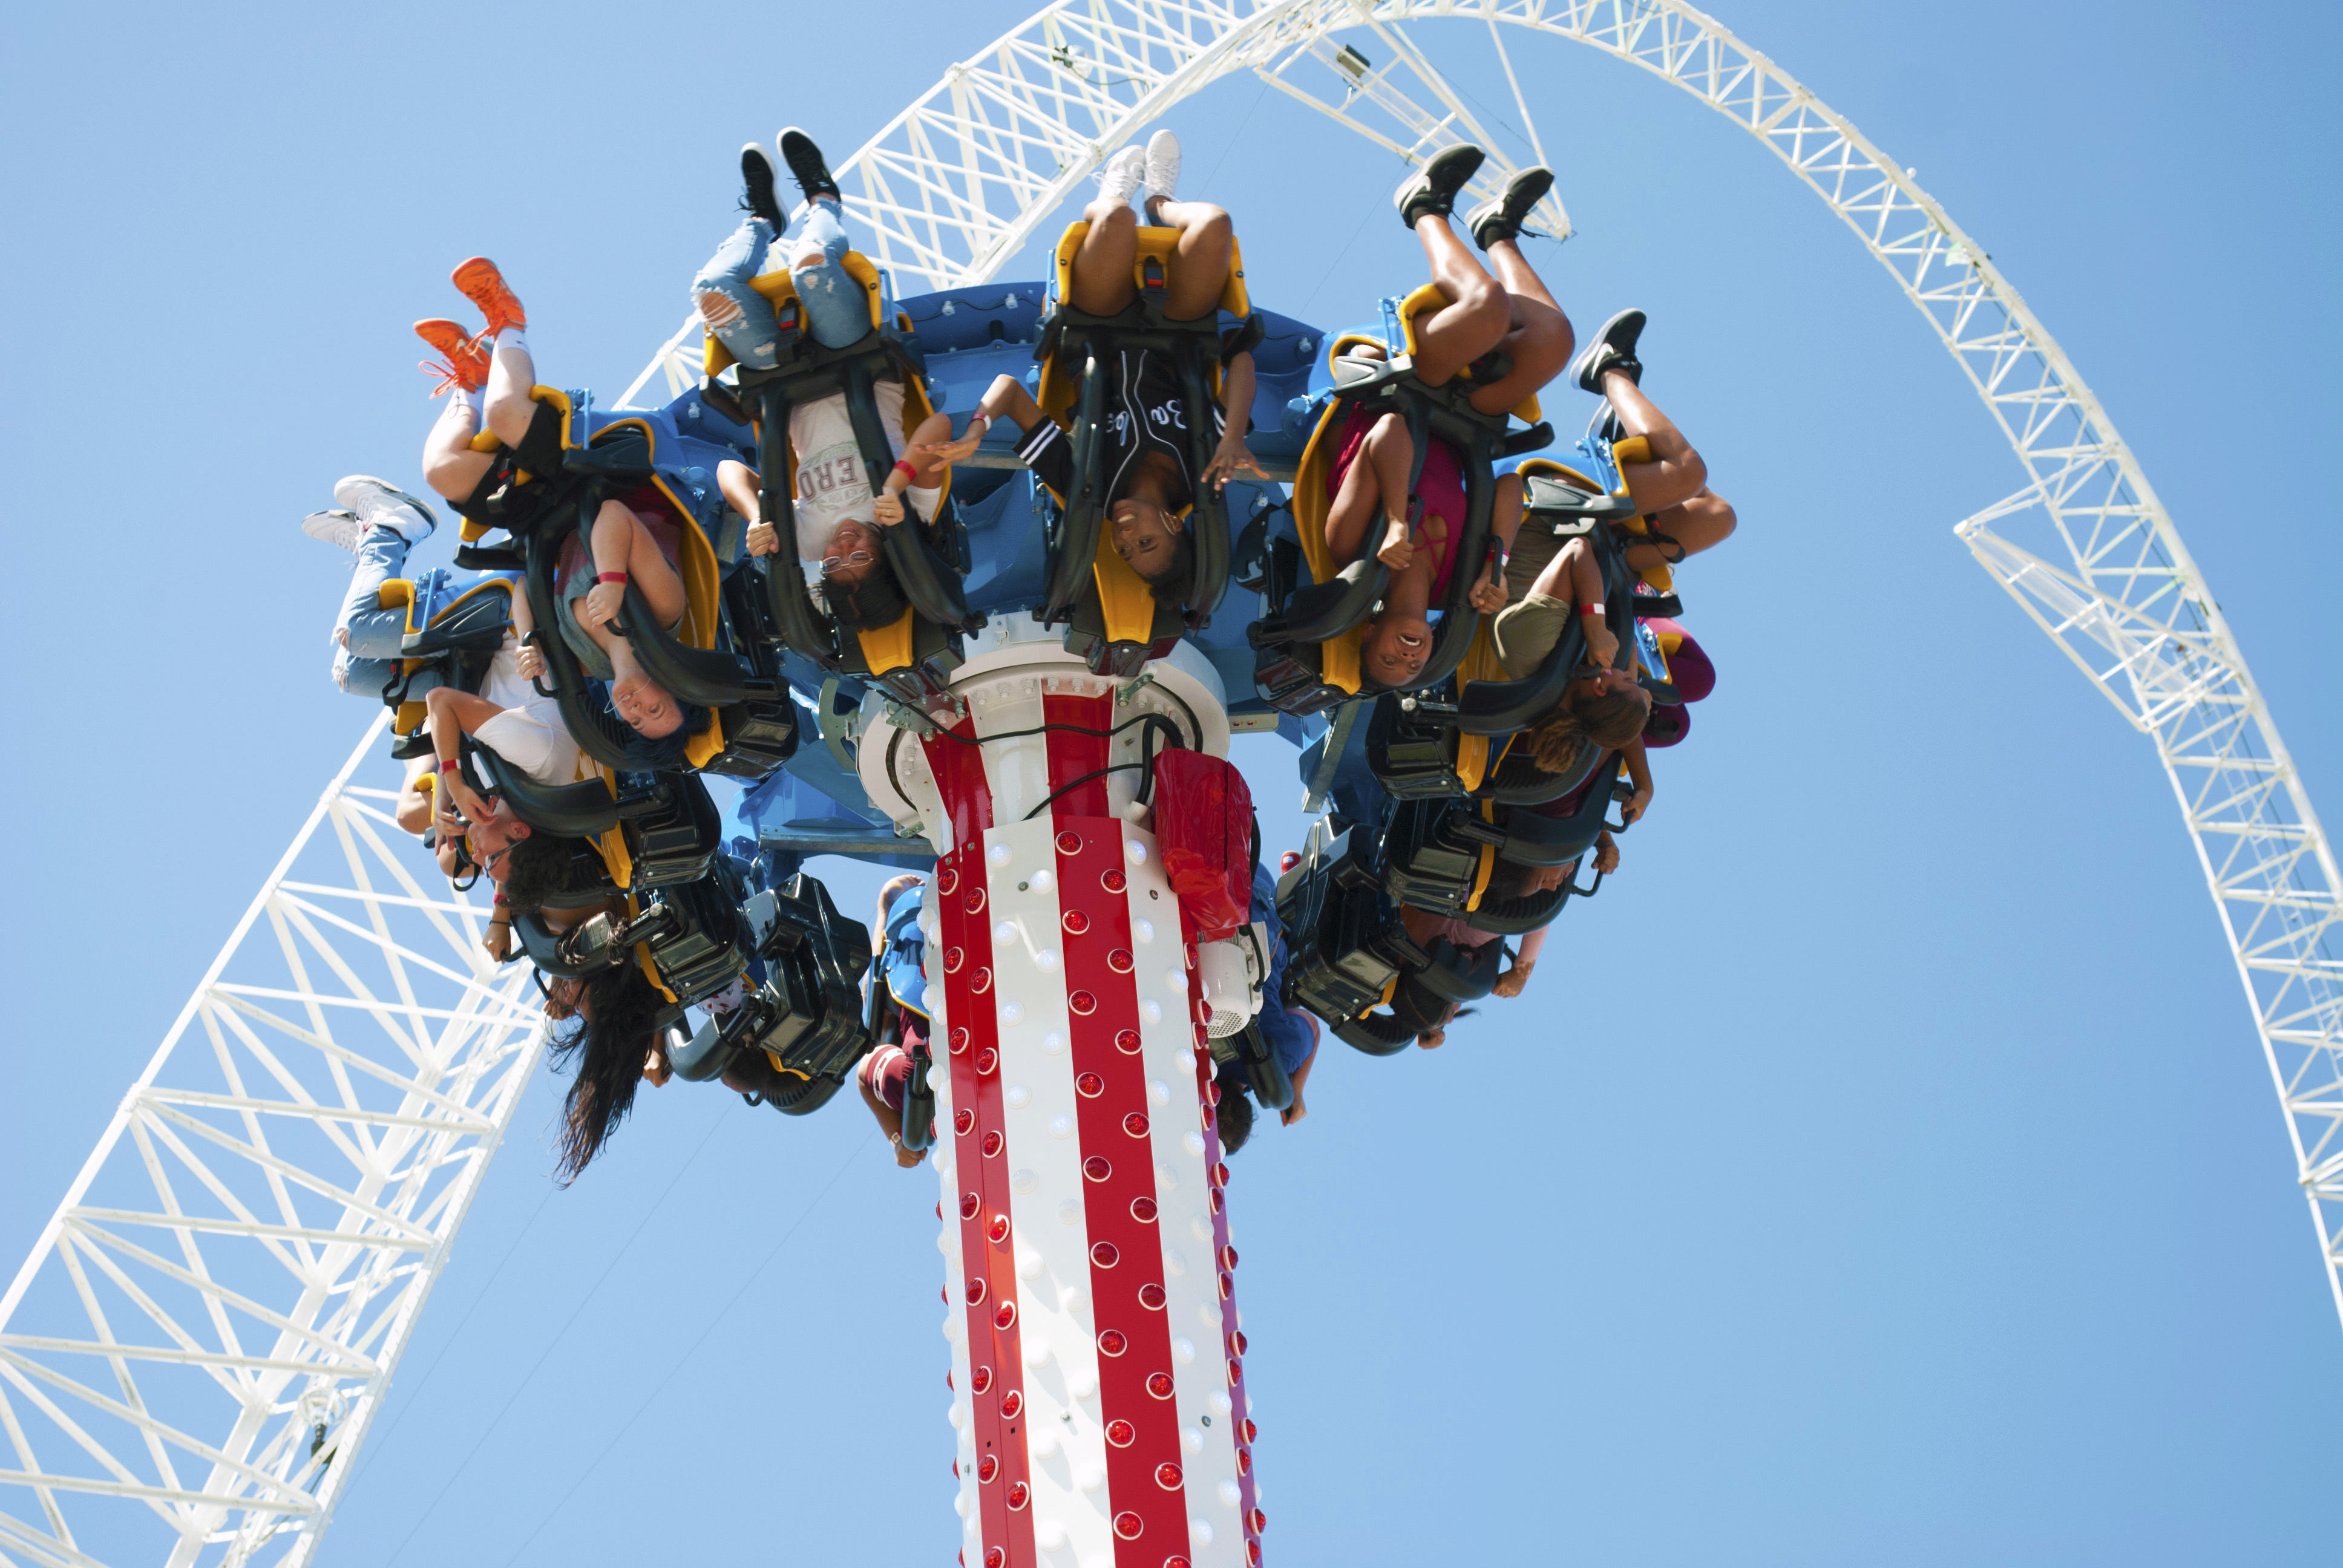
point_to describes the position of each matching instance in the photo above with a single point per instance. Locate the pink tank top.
(1441, 488)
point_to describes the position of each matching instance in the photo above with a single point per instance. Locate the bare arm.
(1232, 456)
(450, 715)
(1639, 774)
(530, 658)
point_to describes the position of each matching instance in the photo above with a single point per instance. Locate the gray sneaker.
(338, 527)
(380, 504)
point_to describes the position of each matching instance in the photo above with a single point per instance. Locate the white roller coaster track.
(209, 1324)
(121, 1368)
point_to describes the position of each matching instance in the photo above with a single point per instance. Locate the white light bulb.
(1028, 1266)
(1137, 851)
(1195, 1142)
(1072, 1298)
(1016, 1096)
(1084, 1383)
(1230, 1495)
(1023, 1182)
(1184, 1349)
(1004, 932)
(1176, 980)
(1089, 1477)
(1037, 1352)
(1012, 1012)
(997, 854)
(1152, 1011)
(1164, 1180)
(1191, 1439)
(1200, 1531)
(1046, 960)
(1049, 1534)
(1159, 1091)
(1070, 1212)
(1175, 1262)
(1043, 879)
(1061, 1126)
(1219, 1402)
(1053, 1043)
(1144, 928)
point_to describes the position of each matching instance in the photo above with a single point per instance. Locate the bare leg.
(1675, 473)
(1200, 262)
(1475, 317)
(450, 466)
(1101, 281)
(1700, 524)
(1539, 341)
(511, 374)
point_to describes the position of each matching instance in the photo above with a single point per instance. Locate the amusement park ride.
(205, 1331)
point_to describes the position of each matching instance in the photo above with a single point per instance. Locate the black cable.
(1068, 729)
(1071, 783)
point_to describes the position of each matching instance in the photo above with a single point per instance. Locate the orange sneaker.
(485, 286)
(462, 362)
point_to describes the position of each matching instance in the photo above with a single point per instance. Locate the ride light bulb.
(1120, 1433)
(1144, 928)
(1105, 1255)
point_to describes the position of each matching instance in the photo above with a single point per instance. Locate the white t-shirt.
(832, 486)
(528, 733)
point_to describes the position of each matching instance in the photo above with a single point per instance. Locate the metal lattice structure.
(194, 1350)
(957, 182)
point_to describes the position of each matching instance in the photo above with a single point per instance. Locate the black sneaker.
(1502, 218)
(1432, 189)
(757, 197)
(805, 164)
(1614, 349)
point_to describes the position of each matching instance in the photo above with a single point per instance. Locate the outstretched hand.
(1231, 459)
(1632, 812)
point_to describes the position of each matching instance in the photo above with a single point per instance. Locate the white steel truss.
(959, 181)
(192, 1354)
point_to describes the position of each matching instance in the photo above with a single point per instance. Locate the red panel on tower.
(1204, 827)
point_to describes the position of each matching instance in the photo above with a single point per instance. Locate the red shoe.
(462, 362)
(485, 286)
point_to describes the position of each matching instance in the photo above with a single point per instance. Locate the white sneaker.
(382, 505)
(1162, 165)
(1118, 178)
(338, 527)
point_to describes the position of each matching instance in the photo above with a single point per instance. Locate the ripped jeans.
(837, 309)
(366, 636)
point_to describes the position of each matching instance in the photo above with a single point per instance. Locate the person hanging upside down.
(838, 518)
(633, 538)
(1601, 704)
(1511, 314)
(1669, 481)
(1149, 486)
(897, 945)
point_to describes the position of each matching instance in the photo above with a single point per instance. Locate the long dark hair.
(1611, 719)
(613, 1032)
(1233, 1115)
(546, 866)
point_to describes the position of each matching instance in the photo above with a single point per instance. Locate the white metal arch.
(298, 1185)
(956, 184)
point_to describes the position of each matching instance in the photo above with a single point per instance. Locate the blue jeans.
(367, 660)
(836, 311)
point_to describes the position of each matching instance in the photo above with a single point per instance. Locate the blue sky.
(1882, 1170)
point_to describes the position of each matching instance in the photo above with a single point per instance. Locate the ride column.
(1097, 1362)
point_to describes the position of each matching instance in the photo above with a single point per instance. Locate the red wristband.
(610, 578)
(450, 765)
(904, 466)
(1595, 609)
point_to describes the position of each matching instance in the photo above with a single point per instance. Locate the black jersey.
(1144, 413)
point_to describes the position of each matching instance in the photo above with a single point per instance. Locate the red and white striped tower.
(1098, 1379)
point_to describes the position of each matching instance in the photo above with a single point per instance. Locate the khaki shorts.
(1526, 631)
